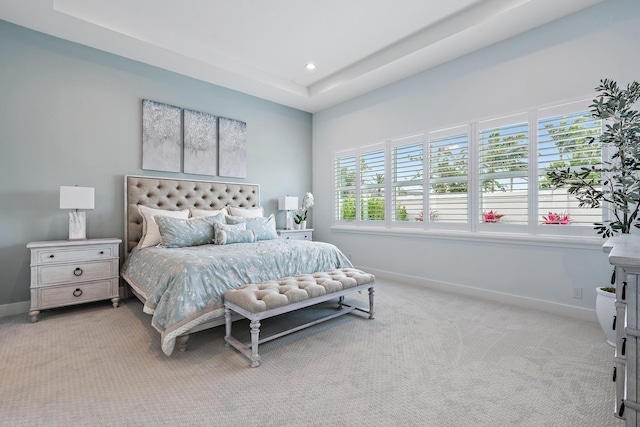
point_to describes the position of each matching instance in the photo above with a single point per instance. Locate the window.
(360, 185)
(483, 176)
(503, 170)
(372, 185)
(562, 142)
(345, 188)
(407, 180)
(448, 176)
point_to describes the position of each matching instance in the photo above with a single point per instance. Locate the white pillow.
(195, 213)
(150, 230)
(246, 212)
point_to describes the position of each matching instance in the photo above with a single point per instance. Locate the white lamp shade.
(288, 203)
(76, 197)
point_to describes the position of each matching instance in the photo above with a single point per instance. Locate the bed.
(181, 287)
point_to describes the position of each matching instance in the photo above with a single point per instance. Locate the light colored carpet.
(428, 359)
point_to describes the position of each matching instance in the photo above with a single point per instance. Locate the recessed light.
(310, 66)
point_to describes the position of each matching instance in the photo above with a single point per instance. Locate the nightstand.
(306, 234)
(68, 272)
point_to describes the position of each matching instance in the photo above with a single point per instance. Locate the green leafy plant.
(614, 185)
(348, 208)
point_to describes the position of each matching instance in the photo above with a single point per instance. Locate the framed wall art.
(232, 140)
(161, 137)
(200, 143)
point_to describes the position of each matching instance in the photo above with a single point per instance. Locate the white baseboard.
(15, 308)
(517, 300)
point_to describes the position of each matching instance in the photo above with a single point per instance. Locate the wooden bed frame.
(177, 194)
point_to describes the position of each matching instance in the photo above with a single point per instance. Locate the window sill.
(576, 242)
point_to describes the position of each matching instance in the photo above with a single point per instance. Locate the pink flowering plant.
(491, 216)
(556, 218)
(433, 214)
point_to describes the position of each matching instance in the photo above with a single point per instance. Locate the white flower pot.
(606, 310)
(303, 225)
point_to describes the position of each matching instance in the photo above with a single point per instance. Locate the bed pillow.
(150, 231)
(236, 233)
(179, 232)
(265, 228)
(196, 213)
(246, 212)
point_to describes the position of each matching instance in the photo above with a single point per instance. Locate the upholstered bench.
(261, 301)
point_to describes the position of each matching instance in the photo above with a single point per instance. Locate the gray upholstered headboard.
(177, 194)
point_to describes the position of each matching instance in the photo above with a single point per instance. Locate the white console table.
(624, 255)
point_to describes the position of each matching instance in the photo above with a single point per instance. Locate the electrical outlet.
(577, 293)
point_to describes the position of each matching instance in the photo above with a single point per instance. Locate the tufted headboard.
(177, 194)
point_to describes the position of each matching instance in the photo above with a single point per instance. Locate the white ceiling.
(260, 47)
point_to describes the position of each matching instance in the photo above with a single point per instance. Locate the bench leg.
(255, 337)
(227, 326)
(371, 292)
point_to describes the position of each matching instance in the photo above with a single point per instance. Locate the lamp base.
(288, 220)
(77, 226)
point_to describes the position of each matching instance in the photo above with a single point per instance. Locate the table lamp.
(288, 204)
(77, 198)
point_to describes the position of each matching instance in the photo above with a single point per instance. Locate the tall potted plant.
(615, 184)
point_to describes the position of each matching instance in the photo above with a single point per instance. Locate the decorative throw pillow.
(150, 231)
(236, 233)
(195, 213)
(178, 232)
(246, 212)
(265, 228)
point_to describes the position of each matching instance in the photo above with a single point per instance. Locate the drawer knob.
(77, 292)
(51, 256)
(101, 252)
(78, 272)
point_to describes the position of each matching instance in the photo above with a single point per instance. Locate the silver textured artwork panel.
(200, 143)
(232, 139)
(161, 136)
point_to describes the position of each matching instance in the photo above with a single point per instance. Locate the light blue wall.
(560, 61)
(72, 115)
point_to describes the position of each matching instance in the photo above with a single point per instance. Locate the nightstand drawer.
(304, 234)
(74, 273)
(56, 296)
(54, 255)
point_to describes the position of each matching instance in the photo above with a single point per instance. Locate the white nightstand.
(306, 234)
(67, 272)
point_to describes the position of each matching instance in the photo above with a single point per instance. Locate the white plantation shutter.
(407, 180)
(372, 185)
(345, 187)
(562, 142)
(447, 179)
(503, 170)
(448, 176)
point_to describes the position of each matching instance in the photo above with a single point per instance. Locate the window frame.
(444, 133)
(392, 145)
(474, 225)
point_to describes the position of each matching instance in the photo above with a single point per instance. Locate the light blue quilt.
(184, 287)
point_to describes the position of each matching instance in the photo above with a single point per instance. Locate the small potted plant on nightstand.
(300, 217)
(615, 184)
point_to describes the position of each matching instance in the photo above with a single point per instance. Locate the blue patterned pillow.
(235, 233)
(178, 232)
(265, 228)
